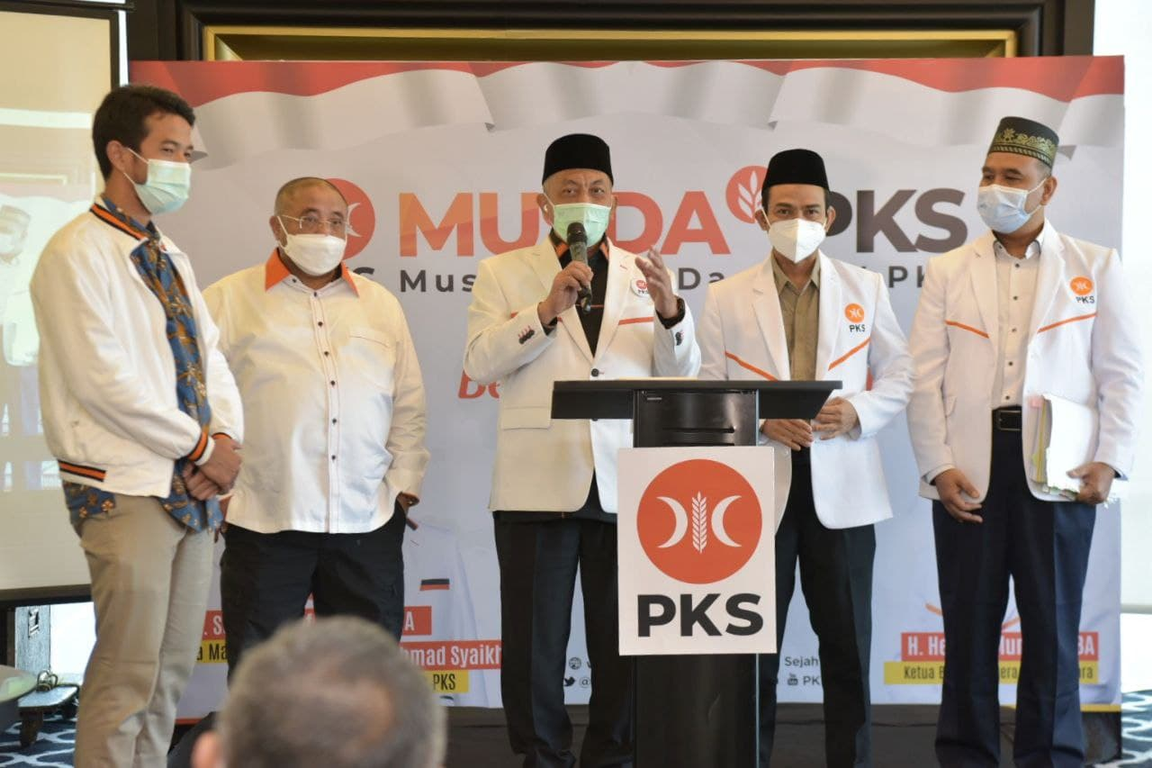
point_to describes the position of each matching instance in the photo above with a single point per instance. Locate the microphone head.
(576, 233)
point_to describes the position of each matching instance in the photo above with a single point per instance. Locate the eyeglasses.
(312, 223)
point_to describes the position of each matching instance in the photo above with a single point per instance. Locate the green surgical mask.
(594, 218)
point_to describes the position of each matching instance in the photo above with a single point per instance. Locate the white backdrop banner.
(441, 164)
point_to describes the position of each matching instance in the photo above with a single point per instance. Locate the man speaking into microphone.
(554, 485)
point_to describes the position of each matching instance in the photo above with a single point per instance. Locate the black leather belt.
(1009, 419)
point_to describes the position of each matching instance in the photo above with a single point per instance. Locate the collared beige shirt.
(1015, 299)
(800, 310)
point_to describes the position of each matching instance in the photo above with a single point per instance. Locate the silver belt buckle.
(1001, 421)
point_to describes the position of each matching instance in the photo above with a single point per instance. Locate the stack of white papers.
(1065, 439)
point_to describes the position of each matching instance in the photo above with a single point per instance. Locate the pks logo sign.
(712, 541)
(1083, 287)
(361, 216)
(855, 314)
(696, 558)
(744, 193)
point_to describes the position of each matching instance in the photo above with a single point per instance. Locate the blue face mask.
(167, 185)
(594, 218)
(1004, 209)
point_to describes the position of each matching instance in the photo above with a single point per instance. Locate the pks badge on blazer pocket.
(1083, 288)
(855, 315)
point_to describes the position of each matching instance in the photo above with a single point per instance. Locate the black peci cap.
(1022, 136)
(577, 150)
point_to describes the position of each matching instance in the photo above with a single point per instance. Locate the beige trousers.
(150, 578)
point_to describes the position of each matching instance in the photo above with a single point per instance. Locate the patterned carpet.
(54, 747)
(1136, 724)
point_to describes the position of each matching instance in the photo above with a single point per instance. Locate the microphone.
(578, 247)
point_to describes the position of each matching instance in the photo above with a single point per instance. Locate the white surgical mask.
(594, 218)
(167, 185)
(796, 239)
(315, 254)
(1003, 208)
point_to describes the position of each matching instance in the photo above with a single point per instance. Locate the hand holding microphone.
(578, 247)
(573, 284)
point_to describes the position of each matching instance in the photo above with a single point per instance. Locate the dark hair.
(766, 190)
(123, 115)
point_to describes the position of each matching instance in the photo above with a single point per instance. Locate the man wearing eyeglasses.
(335, 404)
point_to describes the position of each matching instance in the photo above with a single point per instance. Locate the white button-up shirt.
(333, 400)
(1016, 295)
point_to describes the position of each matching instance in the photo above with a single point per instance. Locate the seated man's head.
(337, 693)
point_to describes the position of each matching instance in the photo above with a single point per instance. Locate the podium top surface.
(614, 398)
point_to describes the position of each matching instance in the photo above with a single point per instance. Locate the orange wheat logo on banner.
(854, 313)
(699, 521)
(743, 193)
(1082, 286)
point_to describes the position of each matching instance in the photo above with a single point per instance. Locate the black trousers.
(836, 576)
(265, 580)
(1044, 547)
(538, 562)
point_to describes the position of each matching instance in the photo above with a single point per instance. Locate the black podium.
(693, 711)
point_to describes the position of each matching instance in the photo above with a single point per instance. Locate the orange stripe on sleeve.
(201, 446)
(632, 320)
(82, 471)
(851, 352)
(749, 366)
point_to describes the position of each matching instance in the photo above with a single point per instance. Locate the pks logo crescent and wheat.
(1082, 286)
(699, 521)
(361, 216)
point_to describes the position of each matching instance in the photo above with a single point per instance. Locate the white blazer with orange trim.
(742, 337)
(541, 464)
(1084, 345)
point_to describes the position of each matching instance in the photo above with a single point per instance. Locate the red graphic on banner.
(417, 620)
(1063, 78)
(929, 646)
(361, 216)
(699, 521)
(470, 390)
(213, 625)
(455, 654)
(457, 225)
